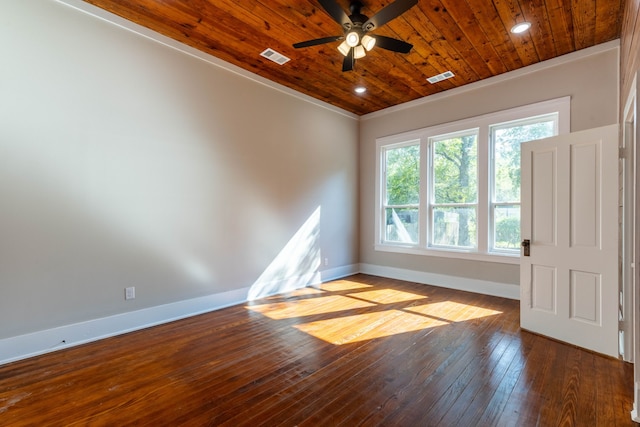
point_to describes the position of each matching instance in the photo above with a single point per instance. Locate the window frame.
(493, 204)
(384, 204)
(482, 251)
(432, 204)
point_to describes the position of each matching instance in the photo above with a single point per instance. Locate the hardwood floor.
(359, 351)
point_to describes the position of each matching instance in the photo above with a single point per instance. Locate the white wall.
(589, 77)
(124, 162)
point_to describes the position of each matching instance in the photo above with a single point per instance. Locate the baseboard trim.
(34, 344)
(338, 273)
(497, 289)
(48, 340)
(29, 345)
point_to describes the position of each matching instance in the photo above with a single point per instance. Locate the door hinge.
(622, 153)
(621, 343)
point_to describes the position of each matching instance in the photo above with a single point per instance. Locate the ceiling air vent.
(276, 57)
(440, 77)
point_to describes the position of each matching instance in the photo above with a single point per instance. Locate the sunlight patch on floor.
(453, 311)
(309, 307)
(343, 285)
(387, 296)
(296, 293)
(345, 312)
(362, 327)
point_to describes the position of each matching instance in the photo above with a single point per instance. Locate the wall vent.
(276, 57)
(440, 77)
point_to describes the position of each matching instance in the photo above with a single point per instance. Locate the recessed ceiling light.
(521, 27)
(360, 89)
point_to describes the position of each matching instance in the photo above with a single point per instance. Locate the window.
(454, 189)
(402, 193)
(505, 179)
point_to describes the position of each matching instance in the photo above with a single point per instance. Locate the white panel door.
(569, 281)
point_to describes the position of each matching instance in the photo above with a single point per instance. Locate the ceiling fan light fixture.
(368, 42)
(355, 40)
(352, 39)
(344, 48)
(520, 27)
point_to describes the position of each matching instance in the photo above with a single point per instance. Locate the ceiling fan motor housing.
(356, 17)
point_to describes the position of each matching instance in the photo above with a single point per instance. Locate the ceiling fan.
(356, 38)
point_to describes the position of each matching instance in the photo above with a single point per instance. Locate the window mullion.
(382, 194)
(425, 191)
(483, 188)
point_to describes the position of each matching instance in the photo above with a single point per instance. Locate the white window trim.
(491, 164)
(430, 204)
(560, 105)
(384, 206)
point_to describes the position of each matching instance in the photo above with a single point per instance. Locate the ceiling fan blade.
(388, 13)
(349, 61)
(393, 45)
(315, 42)
(335, 11)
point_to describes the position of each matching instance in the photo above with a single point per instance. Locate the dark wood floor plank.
(527, 402)
(480, 390)
(442, 372)
(501, 393)
(604, 389)
(359, 351)
(553, 372)
(382, 382)
(428, 358)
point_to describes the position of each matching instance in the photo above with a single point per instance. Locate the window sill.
(500, 258)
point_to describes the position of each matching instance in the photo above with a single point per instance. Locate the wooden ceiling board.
(471, 38)
(608, 20)
(561, 24)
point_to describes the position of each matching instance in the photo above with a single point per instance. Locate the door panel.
(585, 195)
(585, 297)
(543, 288)
(569, 283)
(544, 197)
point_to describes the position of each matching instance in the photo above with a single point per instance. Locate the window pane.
(506, 146)
(506, 234)
(454, 226)
(403, 175)
(455, 166)
(401, 225)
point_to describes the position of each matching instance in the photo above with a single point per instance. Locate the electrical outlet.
(130, 293)
(326, 262)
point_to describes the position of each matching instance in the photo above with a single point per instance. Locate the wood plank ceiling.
(470, 38)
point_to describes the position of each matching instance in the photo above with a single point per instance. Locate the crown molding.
(113, 19)
(550, 63)
(116, 20)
